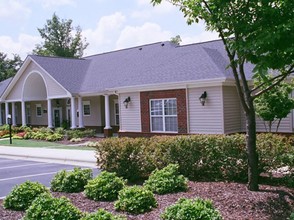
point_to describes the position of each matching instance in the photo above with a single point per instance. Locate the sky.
(107, 25)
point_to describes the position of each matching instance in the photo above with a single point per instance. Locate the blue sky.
(106, 24)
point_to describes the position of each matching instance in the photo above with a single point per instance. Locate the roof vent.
(140, 48)
(162, 44)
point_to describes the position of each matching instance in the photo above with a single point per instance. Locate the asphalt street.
(14, 172)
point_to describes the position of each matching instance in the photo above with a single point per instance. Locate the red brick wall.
(179, 94)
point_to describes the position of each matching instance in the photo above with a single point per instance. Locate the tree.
(256, 31)
(275, 104)
(176, 40)
(9, 67)
(59, 39)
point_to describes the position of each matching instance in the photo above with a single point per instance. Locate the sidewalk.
(72, 157)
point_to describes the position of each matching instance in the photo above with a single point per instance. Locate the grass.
(40, 144)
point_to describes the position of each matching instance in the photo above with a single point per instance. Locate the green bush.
(102, 214)
(104, 187)
(292, 216)
(167, 180)
(22, 196)
(77, 133)
(186, 209)
(125, 157)
(71, 181)
(47, 208)
(135, 199)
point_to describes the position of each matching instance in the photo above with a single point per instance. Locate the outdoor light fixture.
(202, 98)
(126, 102)
(9, 121)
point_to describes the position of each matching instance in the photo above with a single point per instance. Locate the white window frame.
(116, 113)
(163, 115)
(85, 103)
(38, 106)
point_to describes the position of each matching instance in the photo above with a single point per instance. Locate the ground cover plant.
(71, 181)
(22, 196)
(102, 214)
(105, 187)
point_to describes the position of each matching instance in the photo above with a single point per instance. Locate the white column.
(23, 113)
(81, 112)
(107, 112)
(6, 111)
(1, 119)
(13, 114)
(49, 113)
(73, 113)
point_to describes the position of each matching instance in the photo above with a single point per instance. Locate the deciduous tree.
(61, 39)
(9, 67)
(256, 31)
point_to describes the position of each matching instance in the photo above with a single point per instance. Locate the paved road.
(14, 172)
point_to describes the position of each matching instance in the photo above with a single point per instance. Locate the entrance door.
(57, 116)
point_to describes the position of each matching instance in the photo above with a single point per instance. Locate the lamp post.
(9, 123)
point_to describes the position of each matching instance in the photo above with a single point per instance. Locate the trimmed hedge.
(200, 157)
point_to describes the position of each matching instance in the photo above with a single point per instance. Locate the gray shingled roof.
(162, 62)
(4, 84)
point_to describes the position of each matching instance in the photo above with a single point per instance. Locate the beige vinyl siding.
(94, 119)
(40, 121)
(131, 116)
(207, 119)
(54, 89)
(285, 125)
(232, 110)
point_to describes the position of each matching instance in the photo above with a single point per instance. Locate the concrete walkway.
(72, 157)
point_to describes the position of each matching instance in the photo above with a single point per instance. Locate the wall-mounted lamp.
(126, 102)
(202, 98)
(57, 103)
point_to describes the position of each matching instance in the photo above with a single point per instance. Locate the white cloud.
(53, 3)
(107, 30)
(13, 10)
(22, 46)
(147, 33)
(202, 37)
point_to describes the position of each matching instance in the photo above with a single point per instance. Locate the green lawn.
(40, 144)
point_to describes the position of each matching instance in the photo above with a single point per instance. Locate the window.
(163, 115)
(86, 108)
(116, 112)
(38, 110)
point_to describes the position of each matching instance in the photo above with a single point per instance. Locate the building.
(139, 91)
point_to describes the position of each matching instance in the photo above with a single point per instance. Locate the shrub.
(47, 207)
(22, 196)
(71, 181)
(102, 214)
(292, 216)
(77, 133)
(135, 199)
(186, 209)
(167, 180)
(104, 187)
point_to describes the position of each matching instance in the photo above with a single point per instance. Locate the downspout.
(187, 109)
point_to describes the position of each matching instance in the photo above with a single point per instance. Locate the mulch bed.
(232, 199)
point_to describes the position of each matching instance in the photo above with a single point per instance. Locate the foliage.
(22, 196)
(186, 209)
(125, 156)
(71, 181)
(176, 40)
(43, 134)
(9, 67)
(275, 104)
(77, 133)
(167, 180)
(292, 216)
(61, 39)
(102, 214)
(47, 207)
(104, 187)
(135, 200)
(251, 31)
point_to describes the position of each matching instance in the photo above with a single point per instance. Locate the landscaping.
(178, 177)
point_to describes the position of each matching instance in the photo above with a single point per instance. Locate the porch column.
(49, 113)
(6, 112)
(13, 114)
(73, 113)
(23, 113)
(107, 128)
(1, 119)
(81, 113)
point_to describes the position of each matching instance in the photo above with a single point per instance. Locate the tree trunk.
(251, 150)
